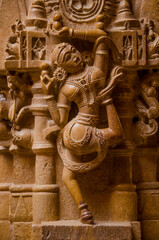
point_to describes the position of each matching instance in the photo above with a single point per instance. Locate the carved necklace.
(84, 83)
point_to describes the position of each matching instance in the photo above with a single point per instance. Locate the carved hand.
(46, 80)
(47, 83)
(116, 74)
(64, 32)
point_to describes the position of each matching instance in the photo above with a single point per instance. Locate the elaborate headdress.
(57, 50)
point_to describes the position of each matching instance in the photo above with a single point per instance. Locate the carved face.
(155, 80)
(70, 59)
(11, 81)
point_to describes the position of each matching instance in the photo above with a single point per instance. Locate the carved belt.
(87, 119)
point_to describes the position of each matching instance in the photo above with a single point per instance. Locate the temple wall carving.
(79, 111)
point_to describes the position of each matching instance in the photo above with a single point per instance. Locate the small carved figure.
(127, 48)
(152, 39)
(147, 109)
(13, 44)
(5, 100)
(149, 94)
(81, 144)
(19, 85)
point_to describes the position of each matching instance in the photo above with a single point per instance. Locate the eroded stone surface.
(73, 230)
(150, 229)
(22, 231)
(4, 230)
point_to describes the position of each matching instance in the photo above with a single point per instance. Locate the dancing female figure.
(81, 144)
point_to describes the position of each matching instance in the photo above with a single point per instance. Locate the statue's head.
(68, 57)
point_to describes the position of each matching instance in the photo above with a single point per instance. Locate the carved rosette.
(79, 11)
(82, 11)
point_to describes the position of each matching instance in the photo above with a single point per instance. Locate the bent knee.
(116, 138)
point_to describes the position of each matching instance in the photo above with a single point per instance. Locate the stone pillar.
(123, 204)
(123, 200)
(6, 178)
(145, 174)
(45, 196)
(21, 193)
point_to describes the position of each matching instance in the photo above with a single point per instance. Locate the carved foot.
(86, 216)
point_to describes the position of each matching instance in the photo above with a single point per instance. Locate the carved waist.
(87, 119)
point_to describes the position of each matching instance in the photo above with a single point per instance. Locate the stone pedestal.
(73, 230)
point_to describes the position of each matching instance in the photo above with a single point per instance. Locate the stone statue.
(81, 144)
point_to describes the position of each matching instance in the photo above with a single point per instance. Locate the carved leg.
(71, 183)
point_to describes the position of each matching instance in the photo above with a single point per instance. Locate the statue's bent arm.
(59, 111)
(114, 132)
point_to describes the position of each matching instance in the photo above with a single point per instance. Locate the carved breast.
(85, 93)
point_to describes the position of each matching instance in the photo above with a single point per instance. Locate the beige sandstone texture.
(79, 111)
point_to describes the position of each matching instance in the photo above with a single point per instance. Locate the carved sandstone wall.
(122, 192)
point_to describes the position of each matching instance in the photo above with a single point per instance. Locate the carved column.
(45, 196)
(5, 182)
(124, 191)
(148, 190)
(21, 192)
(6, 161)
(145, 157)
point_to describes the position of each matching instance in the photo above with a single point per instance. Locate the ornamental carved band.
(79, 102)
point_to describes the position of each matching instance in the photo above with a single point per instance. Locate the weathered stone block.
(136, 229)
(144, 165)
(4, 206)
(149, 204)
(45, 207)
(4, 230)
(21, 208)
(123, 204)
(6, 168)
(150, 229)
(73, 230)
(22, 231)
(36, 232)
(23, 169)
